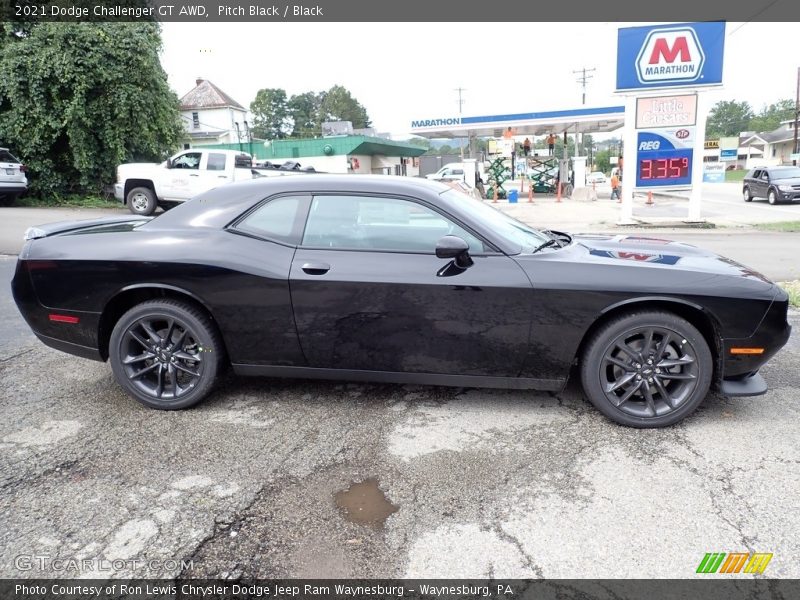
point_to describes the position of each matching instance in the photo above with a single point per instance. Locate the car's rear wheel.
(142, 201)
(746, 194)
(647, 369)
(165, 353)
(772, 196)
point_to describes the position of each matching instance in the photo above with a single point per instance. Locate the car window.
(6, 156)
(754, 174)
(216, 162)
(764, 175)
(276, 219)
(379, 223)
(190, 160)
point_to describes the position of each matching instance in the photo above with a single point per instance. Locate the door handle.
(316, 268)
(193, 175)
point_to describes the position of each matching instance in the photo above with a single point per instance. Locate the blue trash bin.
(512, 196)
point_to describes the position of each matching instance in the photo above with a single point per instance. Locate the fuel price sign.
(665, 157)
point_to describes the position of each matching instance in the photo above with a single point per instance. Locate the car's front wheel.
(647, 369)
(142, 201)
(772, 196)
(746, 194)
(165, 353)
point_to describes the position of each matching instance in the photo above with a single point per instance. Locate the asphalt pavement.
(257, 481)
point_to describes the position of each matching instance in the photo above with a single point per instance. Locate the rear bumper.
(12, 188)
(70, 348)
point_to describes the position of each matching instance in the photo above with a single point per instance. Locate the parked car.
(145, 186)
(776, 184)
(596, 177)
(13, 181)
(399, 280)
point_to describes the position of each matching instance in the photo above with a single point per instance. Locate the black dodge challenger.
(393, 279)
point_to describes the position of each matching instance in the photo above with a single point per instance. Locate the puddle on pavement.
(364, 503)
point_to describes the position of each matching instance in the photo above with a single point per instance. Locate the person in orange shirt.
(615, 189)
(551, 143)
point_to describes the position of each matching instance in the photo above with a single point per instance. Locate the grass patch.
(793, 289)
(735, 175)
(788, 226)
(73, 201)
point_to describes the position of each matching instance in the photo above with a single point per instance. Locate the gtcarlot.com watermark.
(44, 562)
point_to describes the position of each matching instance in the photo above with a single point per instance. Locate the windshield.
(499, 222)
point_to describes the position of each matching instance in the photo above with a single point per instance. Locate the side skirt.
(509, 383)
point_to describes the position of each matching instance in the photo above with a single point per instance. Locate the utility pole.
(460, 105)
(796, 115)
(582, 80)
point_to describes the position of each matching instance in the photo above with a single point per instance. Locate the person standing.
(551, 144)
(526, 147)
(615, 191)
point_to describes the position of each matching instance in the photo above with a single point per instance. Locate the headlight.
(785, 188)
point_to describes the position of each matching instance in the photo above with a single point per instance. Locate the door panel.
(389, 311)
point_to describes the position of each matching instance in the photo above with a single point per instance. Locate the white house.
(210, 116)
(776, 146)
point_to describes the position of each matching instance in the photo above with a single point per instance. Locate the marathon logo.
(670, 55)
(435, 122)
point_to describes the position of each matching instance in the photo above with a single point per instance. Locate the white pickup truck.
(145, 186)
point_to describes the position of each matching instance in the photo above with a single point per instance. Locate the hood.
(137, 167)
(638, 251)
(793, 181)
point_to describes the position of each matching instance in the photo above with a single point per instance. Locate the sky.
(406, 71)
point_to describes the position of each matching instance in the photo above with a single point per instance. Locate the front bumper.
(119, 192)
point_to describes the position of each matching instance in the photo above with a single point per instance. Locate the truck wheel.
(142, 201)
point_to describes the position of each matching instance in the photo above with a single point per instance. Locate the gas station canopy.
(580, 120)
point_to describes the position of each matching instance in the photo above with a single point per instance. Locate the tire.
(627, 389)
(746, 194)
(772, 197)
(141, 201)
(166, 354)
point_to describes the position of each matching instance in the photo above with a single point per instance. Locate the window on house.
(195, 120)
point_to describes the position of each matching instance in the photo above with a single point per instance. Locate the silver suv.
(12, 177)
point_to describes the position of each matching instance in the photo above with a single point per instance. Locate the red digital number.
(661, 168)
(675, 167)
(646, 169)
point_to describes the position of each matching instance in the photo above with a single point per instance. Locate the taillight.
(23, 169)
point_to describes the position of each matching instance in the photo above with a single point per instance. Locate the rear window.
(6, 156)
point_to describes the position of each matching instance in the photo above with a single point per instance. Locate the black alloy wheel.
(647, 369)
(746, 194)
(165, 353)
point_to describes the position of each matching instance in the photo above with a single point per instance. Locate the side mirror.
(453, 247)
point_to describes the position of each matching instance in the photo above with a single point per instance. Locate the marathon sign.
(684, 54)
(435, 122)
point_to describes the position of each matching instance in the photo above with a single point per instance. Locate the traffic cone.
(650, 198)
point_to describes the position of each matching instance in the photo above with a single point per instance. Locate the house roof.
(206, 95)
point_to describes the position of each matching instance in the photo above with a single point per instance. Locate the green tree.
(728, 118)
(304, 112)
(271, 116)
(770, 117)
(339, 105)
(78, 99)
